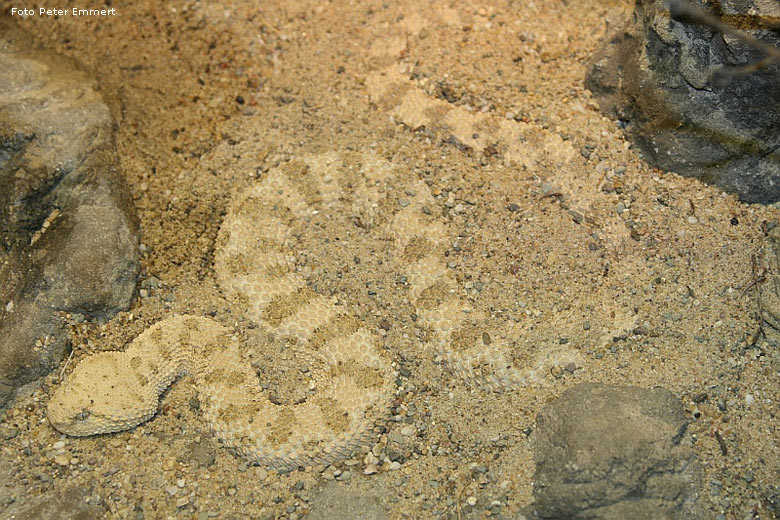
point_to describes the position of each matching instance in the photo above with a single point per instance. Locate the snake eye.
(83, 415)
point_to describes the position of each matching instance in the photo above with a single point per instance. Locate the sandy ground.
(560, 231)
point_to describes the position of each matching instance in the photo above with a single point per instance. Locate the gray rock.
(335, 501)
(71, 503)
(18, 501)
(67, 223)
(68, 504)
(608, 452)
(655, 73)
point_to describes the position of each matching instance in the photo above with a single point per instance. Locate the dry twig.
(683, 10)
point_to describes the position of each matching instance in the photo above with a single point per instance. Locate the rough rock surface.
(66, 219)
(71, 502)
(656, 74)
(610, 452)
(334, 501)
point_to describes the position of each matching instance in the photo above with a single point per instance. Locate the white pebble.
(371, 459)
(61, 460)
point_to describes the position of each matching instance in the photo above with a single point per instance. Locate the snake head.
(101, 396)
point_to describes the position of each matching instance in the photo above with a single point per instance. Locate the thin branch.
(683, 10)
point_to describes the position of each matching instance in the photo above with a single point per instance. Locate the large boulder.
(67, 223)
(610, 453)
(655, 73)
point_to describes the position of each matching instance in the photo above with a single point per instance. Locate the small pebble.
(61, 460)
(371, 459)
(58, 445)
(183, 501)
(172, 490)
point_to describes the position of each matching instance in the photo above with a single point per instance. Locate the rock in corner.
(67, 222)
(609, 452)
